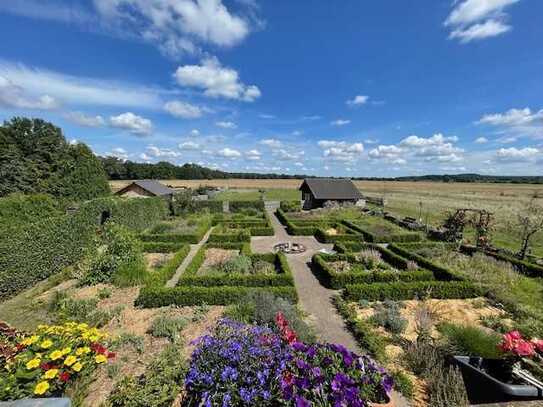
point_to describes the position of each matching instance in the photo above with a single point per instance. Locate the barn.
(317, 191)
(144, 189)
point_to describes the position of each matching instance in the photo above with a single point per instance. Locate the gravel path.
(193, 250)
(315, 299)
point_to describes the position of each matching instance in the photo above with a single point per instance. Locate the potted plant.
(517, 376)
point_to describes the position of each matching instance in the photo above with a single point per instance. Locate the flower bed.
(337, 232)
(249, 365)
(180, 230)
(256, 223)
(368, 264)
(380, 230)
(45, 363)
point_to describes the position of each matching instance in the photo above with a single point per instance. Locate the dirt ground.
(216, 257)
(155, 260)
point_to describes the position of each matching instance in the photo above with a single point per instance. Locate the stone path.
(193, 250)
(314, 299)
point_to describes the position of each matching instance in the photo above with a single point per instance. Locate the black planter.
(484, 388)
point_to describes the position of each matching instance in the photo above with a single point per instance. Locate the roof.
(152, 186)
(332, 189)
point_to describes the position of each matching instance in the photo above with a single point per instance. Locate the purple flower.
(301, 402)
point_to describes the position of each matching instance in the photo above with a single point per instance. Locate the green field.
(272, 194)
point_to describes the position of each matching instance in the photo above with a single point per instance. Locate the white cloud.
(194, 133)
(266, 116)
(228, 153)
(182, 110)
(341, 150)
(514, 154)
(272, 143)
(145, 157)
(216, 81)
(340, 122)
(189, 145)
(79, 90)
(389, 152)
(253, 155)
(133, 123)
(15, 96)
(118, 152)
(513, 117)
(286, 155)
(158, 152)
(226, 125)
(358, 100)
(478, 19)
(176, 26)
(481, 140)
(84, 120)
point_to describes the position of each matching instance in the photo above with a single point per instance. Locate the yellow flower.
(32, 364)
(41, 388)
(82, 326)
(100, 359)
(30, 341)
(77, 366)
(51, 374)
(70, 360)
(79, 351)
(46, 344)
(67, 350)
(56, 354)
(94, 338)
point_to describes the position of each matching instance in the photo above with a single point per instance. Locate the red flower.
(64, 377)
(111, 355)
(97, 348)
(46, 366)
(524, 348)
(20, 347)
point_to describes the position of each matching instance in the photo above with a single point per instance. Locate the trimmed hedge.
(161, 247)
(262, 231)
(33, 251)
(441, 273)
(240, 237)
(238, 206)
(192, 238)
(163, 274)
(399, 291)
(290, 206)
(392, 237)
(180, 207)
(151, 297)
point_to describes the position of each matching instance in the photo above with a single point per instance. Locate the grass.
(274, 194)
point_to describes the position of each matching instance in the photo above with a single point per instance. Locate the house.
(144, 189)
(317, 191)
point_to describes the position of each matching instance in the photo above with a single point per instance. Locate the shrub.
(50, 359)
(160, 247)
(403, 383)
(165, 326)
(240, 206)
(446, 387)
(388, 316)
(407, 291)
(82, 310)
(157, 387)
(471, 341)
(18, 209)
(291, 206)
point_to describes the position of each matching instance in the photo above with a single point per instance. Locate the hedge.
(163, 274)
(392, 237)
(238, 237)
(154, 296)
(290, 206)
(161, 247)
(238, 206)
(399, 291)
(197, 206)
(441, 273)
(262, 231)
(282, 278)
(33, 251)
(363, 332)
(192, 238)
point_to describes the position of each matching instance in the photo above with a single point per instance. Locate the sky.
(344, 88)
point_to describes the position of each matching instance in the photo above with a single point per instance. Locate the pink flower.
(515, 335)
(524, 348)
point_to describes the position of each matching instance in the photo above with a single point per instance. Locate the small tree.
(529, 222)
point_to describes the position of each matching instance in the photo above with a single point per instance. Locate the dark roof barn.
(331, 189)
(152, 187)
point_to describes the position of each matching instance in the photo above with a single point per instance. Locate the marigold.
(100, 359)
(51, 374)
(66, 350)
(70, 360)
(46, 344)
(41, 388)
(32, 364)
(77, 366)
(56, 354)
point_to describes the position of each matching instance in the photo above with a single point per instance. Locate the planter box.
(483, 388)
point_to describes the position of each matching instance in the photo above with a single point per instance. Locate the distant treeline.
(117, 169)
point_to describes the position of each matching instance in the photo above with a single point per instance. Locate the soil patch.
(155, 260)
(216, 257)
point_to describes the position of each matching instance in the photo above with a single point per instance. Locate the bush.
(157, 387)
(240, 206)
(407, 291)
(163, 274)
(469, 340)
(390, 237)
(18, 209)
(165, 326)
(446, 387)
(68, 309)
(291, 206)
(160, 247)
(119, 259)
(403, 384)
(388, 316)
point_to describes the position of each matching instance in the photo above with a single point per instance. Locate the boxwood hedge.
(238, 206)
(392, 237)
(161, 247)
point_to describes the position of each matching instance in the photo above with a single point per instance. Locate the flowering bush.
(41, 365)
(523, 352)
(250, 365)
(237, 365)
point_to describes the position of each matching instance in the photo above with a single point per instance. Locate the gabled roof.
(152, 186)
(331, 189)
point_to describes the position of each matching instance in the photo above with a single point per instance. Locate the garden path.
(193, 250)
(315, 299)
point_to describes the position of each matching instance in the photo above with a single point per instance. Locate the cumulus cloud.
(516, 123)
(514, 154)
(133, 123)
(118, 152)
(189, 145)
(182, 110)
(272, 143)
(216, 81)
(358, 100)
(341, 150)
(157, 152)
(226, 125)
(285, 155)
(228, 152)
(84, 120)
(481, 140)
(177, 27)
(253, 155)
(472, 20)
(340, 122)
(15, 96)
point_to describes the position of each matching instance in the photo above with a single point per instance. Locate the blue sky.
(346, 88)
